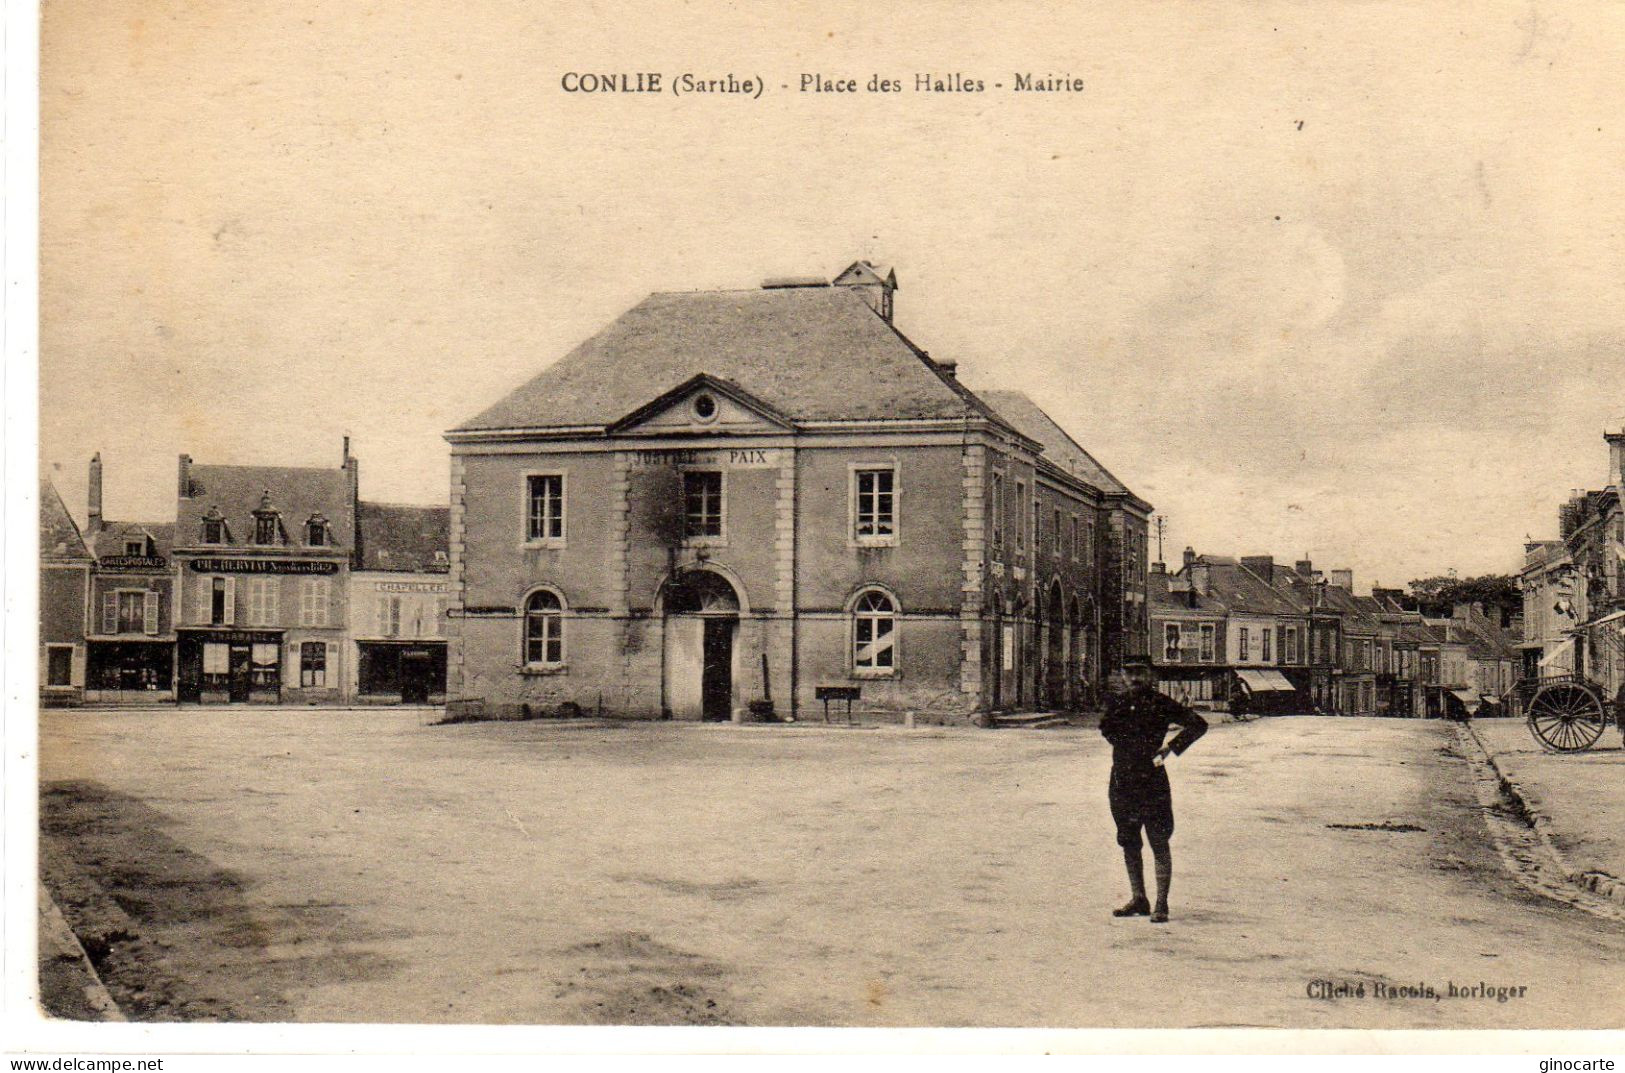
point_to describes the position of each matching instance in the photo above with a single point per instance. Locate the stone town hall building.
(736, 496)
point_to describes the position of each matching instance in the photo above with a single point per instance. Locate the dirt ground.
(1580, 795)
(343, 866)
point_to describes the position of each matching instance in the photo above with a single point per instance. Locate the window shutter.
(273, 597)
(149, 613)
(332, 664)
(231, 601)
(205, 592)
(110, 612)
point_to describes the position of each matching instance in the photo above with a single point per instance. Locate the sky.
(1336, 280)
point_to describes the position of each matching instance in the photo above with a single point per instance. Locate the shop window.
(263, 666)
(544, 629)
(544, 511)
(313, 664)
(216, 667)
(875, 506)
(702, 504)
(874, 633)
(59, 665)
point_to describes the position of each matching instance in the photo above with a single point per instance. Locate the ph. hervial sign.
(722, 458)
(262, 566)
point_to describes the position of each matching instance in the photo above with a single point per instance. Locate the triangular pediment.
(704, 404)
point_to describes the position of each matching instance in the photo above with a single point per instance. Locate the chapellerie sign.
(262, 566)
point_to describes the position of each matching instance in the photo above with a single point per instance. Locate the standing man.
(1137, 722)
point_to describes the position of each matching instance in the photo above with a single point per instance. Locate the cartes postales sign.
(132, 562)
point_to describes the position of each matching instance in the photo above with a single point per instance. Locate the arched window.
(544, 629)
(874, 632)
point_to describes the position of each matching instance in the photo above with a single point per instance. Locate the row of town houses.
(744, 500)
(1574, 586)
(271, 584)
(1262, 636)
(722, 501)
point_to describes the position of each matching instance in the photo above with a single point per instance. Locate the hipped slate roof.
(1018, 408)
(812, 353)
(58, 535)
(296, 492)
(398, 537)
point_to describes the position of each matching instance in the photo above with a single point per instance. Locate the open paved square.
(315, 865)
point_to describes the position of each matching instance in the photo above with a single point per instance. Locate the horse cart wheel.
(1566, 718)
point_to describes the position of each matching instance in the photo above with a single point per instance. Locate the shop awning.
(1467, 697)
(1264, 681)
(1616, 616)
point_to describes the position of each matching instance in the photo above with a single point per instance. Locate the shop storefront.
(127, 672)
(230, 666)
(402, 672)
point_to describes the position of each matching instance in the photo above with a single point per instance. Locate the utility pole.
(1161, 522)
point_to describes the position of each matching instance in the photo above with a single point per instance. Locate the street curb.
(1592, 882)
(57, 936)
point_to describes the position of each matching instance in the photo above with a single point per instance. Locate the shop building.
(64, 585)
(130, 638)
(262, 558)
(399, 590)
(738, 497)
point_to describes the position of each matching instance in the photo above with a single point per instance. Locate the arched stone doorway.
(701, 657)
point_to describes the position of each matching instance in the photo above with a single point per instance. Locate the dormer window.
(135, 548)
(267, 522)
(316, 532)
(214, 527)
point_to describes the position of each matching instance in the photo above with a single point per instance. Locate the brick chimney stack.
(1616, 459)
(1343, 579)
(185, 488)
(93, 509)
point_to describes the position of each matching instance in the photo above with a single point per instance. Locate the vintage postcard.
(915, 515)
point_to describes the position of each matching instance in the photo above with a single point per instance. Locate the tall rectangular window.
(265, 530)
(1264, 646)
(544, 507)
(314, 596)
(1021, 520)
(220, 601)
(875, 512)
(1208, 647)
(702, 504)
(1242, 646)
(59, 665)
(389, 616)
(1170, 642)
(1056, 535)
(313, 663)
(998, 510)
(1074, 538)
(263, 598)
(1289, 645)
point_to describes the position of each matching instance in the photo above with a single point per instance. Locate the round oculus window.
(705, 407)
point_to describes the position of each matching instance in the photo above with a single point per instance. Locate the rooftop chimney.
(1305, 567)
(1616, 459)
(93, 511)
(185, 489)
(1343, 579)
(1190, 557)
(950, 368)
(1159, 568)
